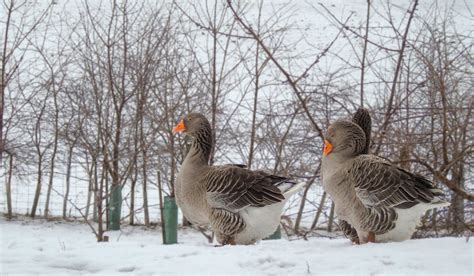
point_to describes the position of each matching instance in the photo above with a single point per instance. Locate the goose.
(381, 201)
(241, 206)
(362, 118)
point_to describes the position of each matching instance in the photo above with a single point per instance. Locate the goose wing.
(234, 188)
(378, 183)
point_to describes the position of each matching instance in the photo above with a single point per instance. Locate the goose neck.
(201, 148)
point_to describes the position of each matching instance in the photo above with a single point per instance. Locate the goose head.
(193, 124)
(344, 139)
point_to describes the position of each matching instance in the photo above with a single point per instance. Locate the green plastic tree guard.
(170, 215)
(276, 235)
(115, 207)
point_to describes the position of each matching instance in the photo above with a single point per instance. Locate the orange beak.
(327, 147)
(179, 127)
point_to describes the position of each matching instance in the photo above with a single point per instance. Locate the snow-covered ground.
(70, 248)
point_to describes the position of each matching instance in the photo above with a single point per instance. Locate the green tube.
(276, 235)
(115, 207)
(170, 215)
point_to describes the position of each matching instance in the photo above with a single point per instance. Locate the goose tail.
(289, 188)
(438, 203)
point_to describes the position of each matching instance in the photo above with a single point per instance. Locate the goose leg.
(226, 241)
(349, 231)
(230, 241)
(371, 237)
(226, 224)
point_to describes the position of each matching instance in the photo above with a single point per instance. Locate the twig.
(80, 212)
(364, 53)
(449, 183)
(293, 83)
(389, 111)
(346, 27)
(160, 194)
(202, 230)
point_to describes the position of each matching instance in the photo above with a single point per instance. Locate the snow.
(37, 246)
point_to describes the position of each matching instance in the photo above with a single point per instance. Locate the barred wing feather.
(234, 188)
(378, 183)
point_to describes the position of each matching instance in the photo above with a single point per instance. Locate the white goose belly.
(260, 222)
(405, 225)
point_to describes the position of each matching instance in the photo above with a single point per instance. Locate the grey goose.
(242, 206)
(380, 200)
(362, 118)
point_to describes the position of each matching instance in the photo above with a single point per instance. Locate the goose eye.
(189, 118)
